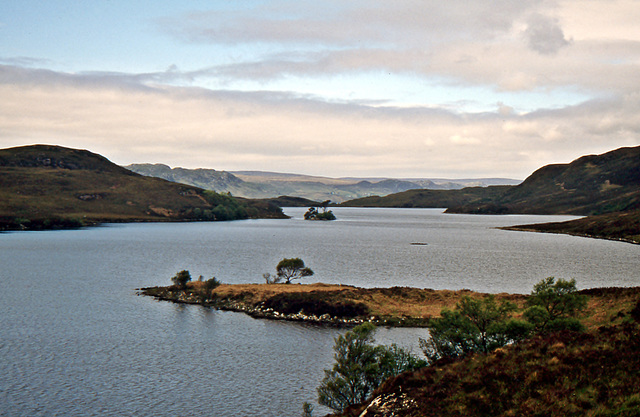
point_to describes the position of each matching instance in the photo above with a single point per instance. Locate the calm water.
(76, 340)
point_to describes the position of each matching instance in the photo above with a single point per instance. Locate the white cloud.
(194, 127)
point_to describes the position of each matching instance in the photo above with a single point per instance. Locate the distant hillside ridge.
(45, 186)
(590, 185)
(269, 185)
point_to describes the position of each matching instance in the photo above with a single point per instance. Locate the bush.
(552, 305)
(181, 278)
(361, 367)
(476, 325)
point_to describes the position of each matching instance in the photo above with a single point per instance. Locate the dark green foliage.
(181, 278)
(553, 375)
(307, 410)
(361, 367)
(476, 325)
(482, 325)
(289, 269)
(314, 214)
(553, 305)
(313, 304)
(207, 287)
(50, 223)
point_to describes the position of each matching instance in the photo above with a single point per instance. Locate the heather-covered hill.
(594, 184)
(595, 373)
(44, 186)
(590, 185)
(604, 187)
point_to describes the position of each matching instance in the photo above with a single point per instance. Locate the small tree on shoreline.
(361, 367)
(289, 269)
(181, 278)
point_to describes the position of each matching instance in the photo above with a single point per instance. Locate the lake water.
(76, 339)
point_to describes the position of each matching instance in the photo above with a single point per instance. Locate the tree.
(476, 325)
(307, 410)
(553, 305)
(181, 279)
(207, 287)
(481, 325)
(289, 269)
(271, 279)
(360, 367)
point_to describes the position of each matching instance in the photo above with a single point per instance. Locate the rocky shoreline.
(334, 305)
(256, 311)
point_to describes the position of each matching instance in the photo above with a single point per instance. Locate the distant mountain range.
(258, 184)
(44, 187)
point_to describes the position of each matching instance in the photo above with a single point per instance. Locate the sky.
(360, 88)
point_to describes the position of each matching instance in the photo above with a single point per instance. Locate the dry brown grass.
(397, 302)
(401, 306)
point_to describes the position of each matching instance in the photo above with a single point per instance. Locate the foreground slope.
(43, 186)
(595, 373)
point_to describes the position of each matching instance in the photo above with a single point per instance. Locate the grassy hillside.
(605, 187)
(433, 198)
(591, 185)
(44, 186)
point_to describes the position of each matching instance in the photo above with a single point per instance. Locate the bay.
(77, 340)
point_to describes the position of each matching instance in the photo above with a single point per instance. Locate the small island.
(315, 213)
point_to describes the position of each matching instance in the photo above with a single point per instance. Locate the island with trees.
(320, 212)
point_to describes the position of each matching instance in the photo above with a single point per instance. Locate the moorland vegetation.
(44, 187)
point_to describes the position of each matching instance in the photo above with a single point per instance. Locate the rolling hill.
(590, 185)
(260, 184)
(43, 186)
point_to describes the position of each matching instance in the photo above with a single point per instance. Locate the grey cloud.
(339, 23)
(544, 35)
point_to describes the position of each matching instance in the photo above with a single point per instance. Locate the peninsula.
(344, 305)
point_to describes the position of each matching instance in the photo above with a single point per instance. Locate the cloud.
(506, 45)
(544, 35)
(130, 121)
